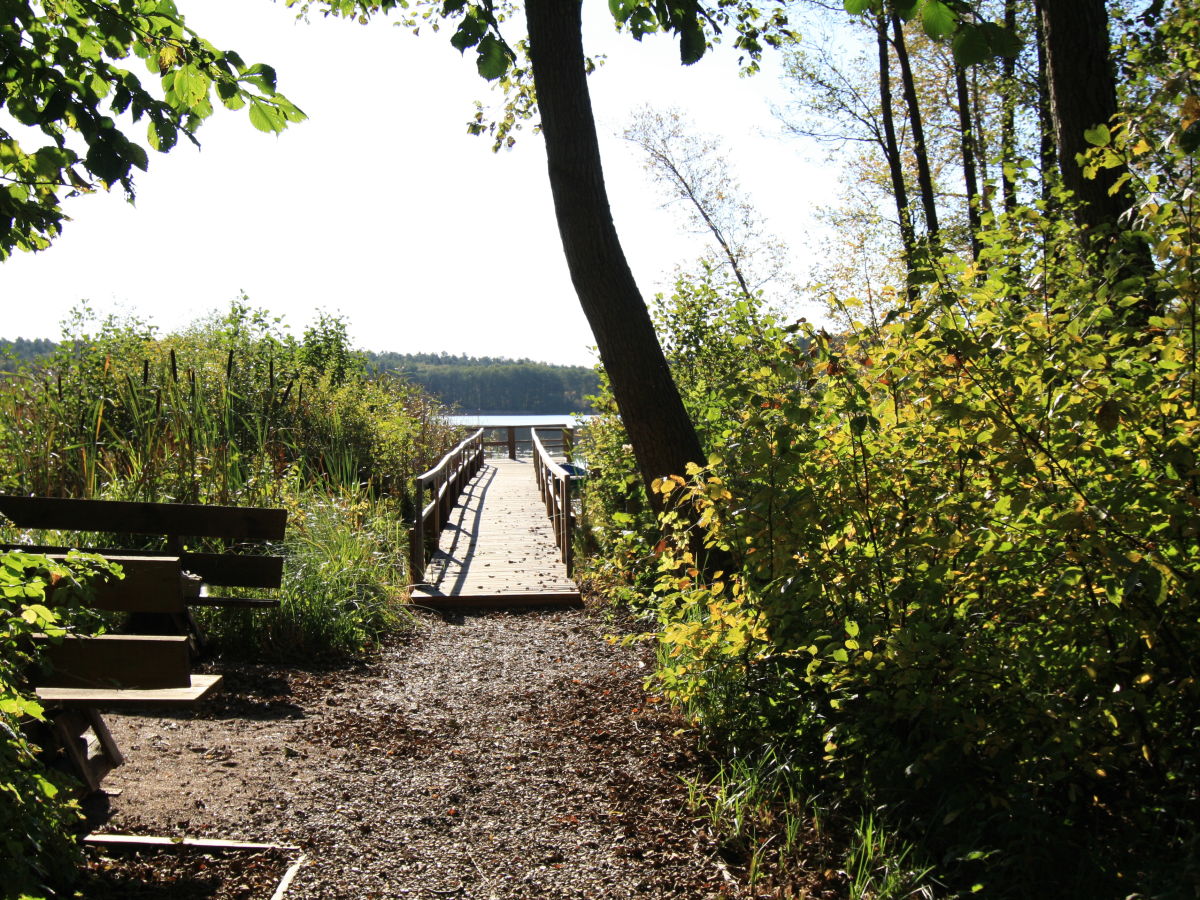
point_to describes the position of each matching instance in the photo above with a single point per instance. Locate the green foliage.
(343, 587)
(967, 557)
(23, 350)
(63, 80)
(973, 39)
(38, 818)
(962, 605)
(225, 412)
(235, 411)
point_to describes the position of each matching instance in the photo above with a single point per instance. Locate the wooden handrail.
(554, 485)
(510, 442)
(445, 482)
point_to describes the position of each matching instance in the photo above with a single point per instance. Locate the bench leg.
(88, 758)
(196, 635)
(105, 738)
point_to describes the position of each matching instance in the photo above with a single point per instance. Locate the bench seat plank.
(199, 686)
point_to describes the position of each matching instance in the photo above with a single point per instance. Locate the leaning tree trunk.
(663, 437)
(924, 176)
(891, 150)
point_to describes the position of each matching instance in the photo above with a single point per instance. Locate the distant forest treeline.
(466, 382)
(12, 353)
(493, 384)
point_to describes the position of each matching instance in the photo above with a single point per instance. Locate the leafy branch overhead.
(64, 86)
(972, 39)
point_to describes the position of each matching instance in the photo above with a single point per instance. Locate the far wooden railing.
(554, 484)
(513, 445)
(444, 482)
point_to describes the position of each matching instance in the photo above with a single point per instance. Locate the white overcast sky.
(382, 209)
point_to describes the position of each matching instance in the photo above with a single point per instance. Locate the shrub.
(968, 565)
(38, 816)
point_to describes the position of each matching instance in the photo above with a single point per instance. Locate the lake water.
(488, 420)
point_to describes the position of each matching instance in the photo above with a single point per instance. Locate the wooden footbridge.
(496, 533)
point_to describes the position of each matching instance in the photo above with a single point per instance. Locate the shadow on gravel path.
(495, 755)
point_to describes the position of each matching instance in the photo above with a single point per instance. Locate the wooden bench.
(236, 526)
(83, 674)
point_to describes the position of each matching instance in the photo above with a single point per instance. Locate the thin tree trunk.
(891, 147)
(663, 437)
(719, 236)
(1047, 156)
(981, 144)
(968, 156)
(924, 178)
(1008, 122)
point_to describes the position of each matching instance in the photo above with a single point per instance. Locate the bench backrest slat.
(141, 662)
(219, 569)
(184, 519)
(235, 570)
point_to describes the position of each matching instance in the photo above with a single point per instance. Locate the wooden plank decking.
(497, 549)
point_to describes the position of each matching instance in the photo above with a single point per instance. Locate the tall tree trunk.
(924, 178)
(1008, 121)
(891, 147)
(981, 144)
(1046, 151)
(968, 156)
(663, 438)
(1083, 94)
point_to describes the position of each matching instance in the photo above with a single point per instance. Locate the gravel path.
(493, 756)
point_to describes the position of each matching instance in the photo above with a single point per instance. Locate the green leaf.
(266, 117)
(1001, 40)
(692, 43)
(189, 86)
(1098, 136)
(858, 7)
(938, 20)
(1189, 138)
(1108, 416)
(970, 46)
(470, 31)
(622, 9)
(493, 59)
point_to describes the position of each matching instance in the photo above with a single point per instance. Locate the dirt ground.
(496, 755)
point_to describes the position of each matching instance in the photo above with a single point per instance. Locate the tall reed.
(215, 415)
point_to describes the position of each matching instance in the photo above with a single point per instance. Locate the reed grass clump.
(343, 589)
(226, 411)
(235, 410)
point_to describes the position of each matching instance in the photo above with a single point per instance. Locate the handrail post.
(568, 529)
(416, 562)
(512, 442)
